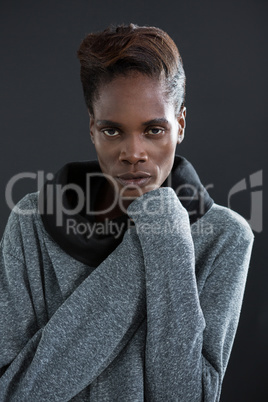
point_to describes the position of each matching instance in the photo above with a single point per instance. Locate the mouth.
(137, 179)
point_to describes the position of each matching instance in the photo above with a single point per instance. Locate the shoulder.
(226, 222)
(23, 217)
(25, 210)
(223, 243)
(28, 203)
(222, 231)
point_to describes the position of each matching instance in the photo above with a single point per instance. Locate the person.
(121, 279)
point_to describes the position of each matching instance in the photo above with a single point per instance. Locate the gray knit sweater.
(154, 321)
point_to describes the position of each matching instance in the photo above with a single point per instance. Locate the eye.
(155, 131)
(110, 132)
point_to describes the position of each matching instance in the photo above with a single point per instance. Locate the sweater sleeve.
(81, 339)
(189, 335)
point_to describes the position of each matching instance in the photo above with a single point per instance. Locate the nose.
(133, 150)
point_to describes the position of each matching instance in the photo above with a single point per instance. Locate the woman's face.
(135, 132)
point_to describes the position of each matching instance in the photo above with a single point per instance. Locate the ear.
(182, 124)
(91, 127)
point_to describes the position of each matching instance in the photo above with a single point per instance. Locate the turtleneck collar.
(68, 216)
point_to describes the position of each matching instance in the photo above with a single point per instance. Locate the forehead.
(133, 95)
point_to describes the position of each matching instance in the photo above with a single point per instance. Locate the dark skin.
(135, 131)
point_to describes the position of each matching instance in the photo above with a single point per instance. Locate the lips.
(134, 175)
(137, 179)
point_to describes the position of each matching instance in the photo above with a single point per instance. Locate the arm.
(81, 339)
(188, 337)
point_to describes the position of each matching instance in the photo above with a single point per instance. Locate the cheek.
(166, 157)
(167, 150)
(102, 148)
(107, 156)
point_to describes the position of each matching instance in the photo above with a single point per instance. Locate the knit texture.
(154, 321)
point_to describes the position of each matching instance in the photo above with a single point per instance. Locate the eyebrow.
(108, 123)
(159, 120)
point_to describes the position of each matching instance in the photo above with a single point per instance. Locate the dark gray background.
(44, 121)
